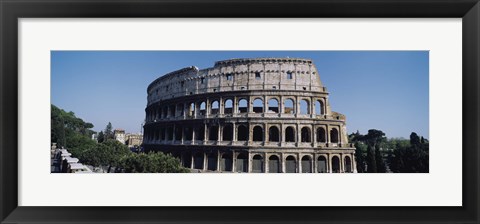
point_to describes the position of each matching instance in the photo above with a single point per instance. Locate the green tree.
(108, 131)
(100, 137)
(411, 158)
(151, 163)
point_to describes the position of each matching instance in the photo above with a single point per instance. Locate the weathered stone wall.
(192, 111)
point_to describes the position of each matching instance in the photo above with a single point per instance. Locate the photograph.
(239, 112)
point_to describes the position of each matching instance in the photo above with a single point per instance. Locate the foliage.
(151, 163)
(411, 158)
(74, 134)
(374, 140)
(67, 130)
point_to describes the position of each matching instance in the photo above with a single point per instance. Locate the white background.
(442, 186)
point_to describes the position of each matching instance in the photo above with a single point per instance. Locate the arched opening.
(273, 134)
(180, 109)
(335, 164)
(289, 134)
(273, 105)
(187, 160)
(228, 107)
(304, 107)
(258, 134)
(305, 135)
(188, 132)
(200, 132)
(242, 163)
(242, 106)
(290, 164)
(242, 133)
(274, 164)
(215, 107)
(288, 108)
(257, 164)
(322, 164)
(321, 135)
(170, 133)
(203, 108)
(212, 161)
(165, 112)
(171, 112)
(306, 164)
(227, 133)
(213, 133)
(334, 135)
(226, 162)
(191, 110)
(161, 134)
(319, 107)
(258, 106)
(348, 164)
(198, 161)
(178, 132)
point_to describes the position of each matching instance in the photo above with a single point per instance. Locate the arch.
(187, 160)
(172, 110)
(288, 106)
(180, 109)
(258, 106)
(334, 135)
(257, 164)
(258, 134)
(198, 161)
(304, 107)
(290, 164)
(226, 162)
(289, 134)
(242, 163)
(212, 161)
(242, 133)
(213, 133)
(161, 133)
(305, 134)
(203, 108)
(319, 107)
(165, 111)
(307, 164)
(322, 164)
(188, 133)
(335, 164)
(178, 132)
(200, 132)
(227, 132)
(228, 106)
(215, 107)
(273, 134)
(242, 106)
(170, 133)
(274, 164)
(273, 105)
(321, 135)
(348, 164)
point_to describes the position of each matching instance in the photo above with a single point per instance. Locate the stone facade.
(248, 115)
(133, 140)
(119, 135)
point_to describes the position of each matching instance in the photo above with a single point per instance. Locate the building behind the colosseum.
(248, 115)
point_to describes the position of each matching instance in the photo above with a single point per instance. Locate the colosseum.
(260, 115)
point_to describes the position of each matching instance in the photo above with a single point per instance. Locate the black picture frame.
(11, 11)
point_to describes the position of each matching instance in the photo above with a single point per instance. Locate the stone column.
(218, 160)
(234, 132)
(282, 157)
(205, 161)
(234, 162)
(329, 168)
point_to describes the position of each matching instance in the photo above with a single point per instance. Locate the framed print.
(242, 96)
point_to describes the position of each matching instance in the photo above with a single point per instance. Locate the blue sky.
(386, 90)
